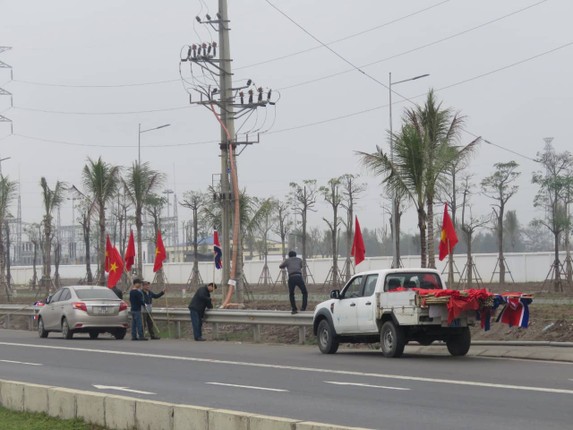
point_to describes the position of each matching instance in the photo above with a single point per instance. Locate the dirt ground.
(551, 321)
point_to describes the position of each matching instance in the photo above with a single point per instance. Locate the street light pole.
(139, 139)
(395, 200)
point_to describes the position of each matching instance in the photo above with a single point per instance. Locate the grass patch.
(12, 420)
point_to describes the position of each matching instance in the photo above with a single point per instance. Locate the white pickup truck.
(387, 306)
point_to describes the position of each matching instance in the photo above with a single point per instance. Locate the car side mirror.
(48, 299)
(335, 294)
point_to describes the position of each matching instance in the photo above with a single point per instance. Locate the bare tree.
(555, 186)
(303, 199)
(351, 190)
(333, 196)
(283, 226)
(195, 201)
(469, 226)
(500, 187)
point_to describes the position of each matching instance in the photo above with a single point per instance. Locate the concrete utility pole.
(226, 111)
(207, 62)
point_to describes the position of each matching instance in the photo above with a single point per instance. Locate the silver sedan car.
(83, 309)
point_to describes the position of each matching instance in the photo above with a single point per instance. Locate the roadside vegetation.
(12, 420)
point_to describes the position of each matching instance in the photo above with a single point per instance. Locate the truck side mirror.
(335, 294)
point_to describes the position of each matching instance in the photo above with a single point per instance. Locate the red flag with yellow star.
(160, 254)
(115, 268)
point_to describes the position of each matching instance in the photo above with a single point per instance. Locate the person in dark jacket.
(293, 264)
(201, 300)
(137, 303)
(148, 297)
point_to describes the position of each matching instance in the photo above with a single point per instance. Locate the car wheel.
(119, 333)
(327, 342)
(392, 340)
(94, 334)
(459, 344)
(66, 331)
(41, 330)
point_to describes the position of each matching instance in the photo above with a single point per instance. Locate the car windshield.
(96, 293)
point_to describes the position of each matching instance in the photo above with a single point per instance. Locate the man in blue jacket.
(200, 301)
(137, 303)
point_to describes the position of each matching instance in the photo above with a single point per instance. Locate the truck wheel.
(392, 340)
(459, 344)
(327, 342)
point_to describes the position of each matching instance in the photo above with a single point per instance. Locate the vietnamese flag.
(449, 238)
(160, 254)
(358, 249)
(130, 252)
(115, 268)
(108, 251)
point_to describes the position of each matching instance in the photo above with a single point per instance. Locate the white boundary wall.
(524, 267)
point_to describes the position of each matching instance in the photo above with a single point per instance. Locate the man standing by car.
(148, 297)
(137, 303)
(200, 301)
(293, 264)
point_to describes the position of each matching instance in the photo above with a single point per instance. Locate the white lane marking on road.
(356, 384)
(21, 362)
(125, 389)
(248, 386)
(297, 368)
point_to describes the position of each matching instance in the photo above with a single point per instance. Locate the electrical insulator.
(260, 97)
(242, 97)
(250, 96)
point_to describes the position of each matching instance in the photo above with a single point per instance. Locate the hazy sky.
(86, 73)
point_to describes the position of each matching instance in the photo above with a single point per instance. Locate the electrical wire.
(351, 36)
(409, 51)
(62, 142)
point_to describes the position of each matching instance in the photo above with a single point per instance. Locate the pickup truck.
(390, 307)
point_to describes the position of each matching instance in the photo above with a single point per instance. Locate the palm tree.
(7, 194)
(405, 175)
(101, 182)
(440, 130)
(140, 182)
(52, 198)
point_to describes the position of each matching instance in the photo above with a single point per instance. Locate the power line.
(63, 142)
(101, 113)
(364, 111)
(169, 81)
(351, 36)
(137, 84)
(409, 51)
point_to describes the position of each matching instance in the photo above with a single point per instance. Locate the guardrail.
(215, 317)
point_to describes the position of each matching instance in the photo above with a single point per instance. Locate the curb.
(523, 343)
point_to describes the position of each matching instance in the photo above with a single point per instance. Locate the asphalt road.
(351, 388)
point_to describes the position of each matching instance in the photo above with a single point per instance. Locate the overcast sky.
(86, 73)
